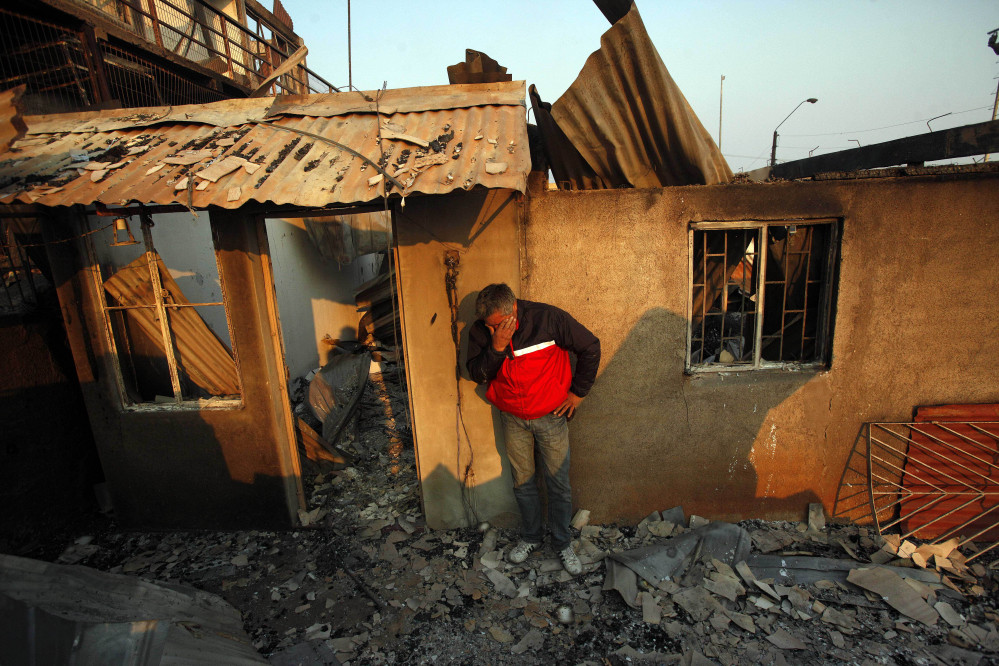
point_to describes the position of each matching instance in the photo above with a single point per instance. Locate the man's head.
(495, 303)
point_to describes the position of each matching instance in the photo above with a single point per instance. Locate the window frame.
(179, 402)
(826, 298)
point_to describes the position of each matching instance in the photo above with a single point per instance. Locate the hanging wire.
(875, 129)
(61, 240)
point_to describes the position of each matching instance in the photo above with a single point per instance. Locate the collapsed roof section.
(624, 122)
(307, 151)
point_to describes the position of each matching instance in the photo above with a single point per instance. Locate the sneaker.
(520, 552)
(570, 561)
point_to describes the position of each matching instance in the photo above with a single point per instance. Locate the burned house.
(175, 311)
(749, 331)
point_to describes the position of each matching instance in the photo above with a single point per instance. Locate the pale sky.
(879, 68)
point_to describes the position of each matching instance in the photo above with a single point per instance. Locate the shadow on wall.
(48, 459)
(172, 471)
(649, 437)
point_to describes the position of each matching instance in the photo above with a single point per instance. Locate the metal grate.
(50, 60)
(137, 81)
(935, 480)
(760, 294)
(195, 30)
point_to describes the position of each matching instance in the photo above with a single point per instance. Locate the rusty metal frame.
(180, 402)
(822, 342)
(889, 462)
(255, 52)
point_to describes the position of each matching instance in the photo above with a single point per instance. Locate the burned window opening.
(760, 294)
(168, 350)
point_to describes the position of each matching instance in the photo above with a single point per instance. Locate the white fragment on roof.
(430, 160)
(250, 167)
(495, 168)
(154, 169)
(182, 160)
(203, 185)
(97, 175)
(180, 184)
(374, 180)
(220, 168)
(408, 138)
(234, 194)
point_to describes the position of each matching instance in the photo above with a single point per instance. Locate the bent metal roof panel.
(308, 151)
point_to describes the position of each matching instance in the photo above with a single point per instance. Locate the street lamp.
(773, 149)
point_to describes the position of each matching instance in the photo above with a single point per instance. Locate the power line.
(875, 129)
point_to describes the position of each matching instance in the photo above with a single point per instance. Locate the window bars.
(761, 294)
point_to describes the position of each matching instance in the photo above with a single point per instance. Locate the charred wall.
(915, 315)
(171, 466)
(48, 461)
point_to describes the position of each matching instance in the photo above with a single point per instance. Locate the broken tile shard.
(895, 592)
(785, 641)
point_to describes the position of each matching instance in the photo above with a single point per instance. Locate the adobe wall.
(916, 320)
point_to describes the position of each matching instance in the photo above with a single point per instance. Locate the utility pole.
(721, 89)
(994, 45)
(350, 69)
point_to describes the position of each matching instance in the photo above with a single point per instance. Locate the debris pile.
(365, 582)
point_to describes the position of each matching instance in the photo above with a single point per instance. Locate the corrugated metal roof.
(477, 136)
(628, 118)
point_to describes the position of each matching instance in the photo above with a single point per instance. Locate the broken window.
(761, 294)
(165, 310)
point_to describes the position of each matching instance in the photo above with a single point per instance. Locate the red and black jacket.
(533, 375)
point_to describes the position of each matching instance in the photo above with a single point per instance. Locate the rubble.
(363, 581)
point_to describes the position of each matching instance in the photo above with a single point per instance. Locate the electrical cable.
(61, 240)
(875, 129)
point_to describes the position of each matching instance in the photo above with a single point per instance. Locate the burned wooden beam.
(963, 141)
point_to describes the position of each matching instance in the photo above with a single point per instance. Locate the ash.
(367, 583)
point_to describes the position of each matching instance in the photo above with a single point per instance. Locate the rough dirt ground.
(366, 583)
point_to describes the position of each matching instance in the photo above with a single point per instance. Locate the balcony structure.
(90, 54)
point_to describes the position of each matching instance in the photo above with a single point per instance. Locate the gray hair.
(494, 298)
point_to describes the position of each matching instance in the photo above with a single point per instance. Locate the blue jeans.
(550, 434)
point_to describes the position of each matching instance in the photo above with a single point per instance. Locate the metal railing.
(935, 480)
(195, 30)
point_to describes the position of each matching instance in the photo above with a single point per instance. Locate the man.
(521, 349)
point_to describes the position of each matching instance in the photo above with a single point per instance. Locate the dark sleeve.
(483, 361)
(578, 339)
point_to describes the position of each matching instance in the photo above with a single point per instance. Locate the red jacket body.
(534, 374)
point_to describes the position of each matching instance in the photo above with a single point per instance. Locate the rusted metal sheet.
(205, 359)
(938, 477)
(12, 125)
(570, 170)
(233, 112)
(473, 141)
(477, 68)
(629, 120)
